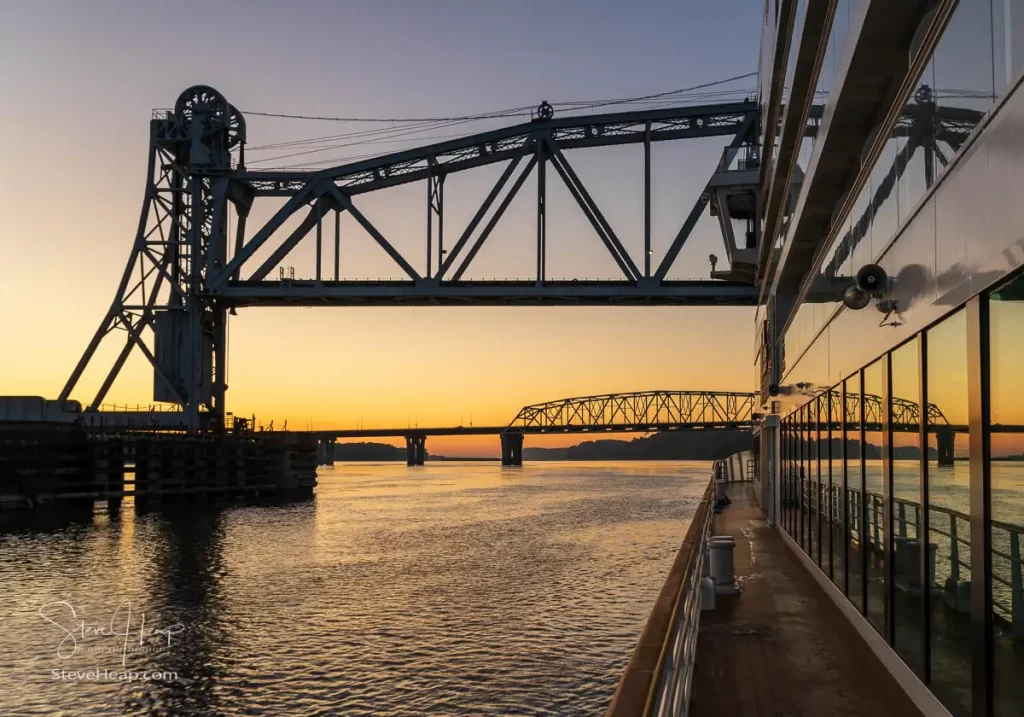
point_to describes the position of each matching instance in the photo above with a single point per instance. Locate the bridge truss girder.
(645, 410)
(185, 273)
(529, 151)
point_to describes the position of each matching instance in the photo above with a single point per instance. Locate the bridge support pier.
(415, 450)
(511, 449)
(325, 451)
(946, 444)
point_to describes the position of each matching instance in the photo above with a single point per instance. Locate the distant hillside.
(368, 452)
(674, 445)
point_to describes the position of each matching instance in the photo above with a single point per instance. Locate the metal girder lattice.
(926, 126)
(185, 274)
(527, 150)
(641, 411)
(160, 304)
(905, 414)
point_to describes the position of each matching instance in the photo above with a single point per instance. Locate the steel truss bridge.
(644, 411)
(653, 411)
(185, 273)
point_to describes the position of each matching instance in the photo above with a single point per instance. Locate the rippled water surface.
(454, 589)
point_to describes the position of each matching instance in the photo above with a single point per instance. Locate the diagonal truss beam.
(698, 208)
(300, 233)
(494, 219)
(484, 208)
(346, 203)
(592, 212)
(300, 198)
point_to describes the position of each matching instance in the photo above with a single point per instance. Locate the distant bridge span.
(650, 412)
(641, 411)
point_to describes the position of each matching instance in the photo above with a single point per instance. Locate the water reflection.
(455, 589)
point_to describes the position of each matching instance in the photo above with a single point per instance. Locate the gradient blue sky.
(79, 80)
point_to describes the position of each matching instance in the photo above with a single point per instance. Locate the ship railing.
(948, 529)
(659, 678)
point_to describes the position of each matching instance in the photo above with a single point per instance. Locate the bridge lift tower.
(185, 274)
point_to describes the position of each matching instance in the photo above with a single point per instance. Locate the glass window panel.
(854, 486)
(919, 173)
(1009, 41)
(808, 479)
(874, 537)
(964, 72)
(1006, 409)
(860, 229)
(885, 219)
(836, 419)
(908, 600)
(786, 472)
(813, 536)
(787, 498)
(824, 551)
(802, 479)
(948, 509)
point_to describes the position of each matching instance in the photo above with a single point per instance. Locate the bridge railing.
(658, 679)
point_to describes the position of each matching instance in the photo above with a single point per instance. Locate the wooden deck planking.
(782, 647)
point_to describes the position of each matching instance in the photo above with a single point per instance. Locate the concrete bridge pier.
(946, 444)
(325, 451)
(415, 450)
(511, 449)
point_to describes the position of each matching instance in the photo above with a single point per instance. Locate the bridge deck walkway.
(782, 647)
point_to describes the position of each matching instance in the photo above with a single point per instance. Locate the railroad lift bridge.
(185, 274)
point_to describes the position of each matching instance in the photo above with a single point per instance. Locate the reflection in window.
(1006, 412)
(854, 488)
(803, 479)
(824, 553)
(787, 473)
(838, 495)
(789, 494)
(908, 596)
(811, 495)
(874, 537)
(948, 510)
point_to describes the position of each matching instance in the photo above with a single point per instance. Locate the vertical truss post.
(541, 214)
(319, 238)
(181, 241)
(194, 304)
(239, 242)
(439, 210)
(647, 200)
(337, 243)
(430, 220)
(435, 212)
(220, 363)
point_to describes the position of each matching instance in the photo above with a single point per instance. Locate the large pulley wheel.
(201, 103)
(236, 127)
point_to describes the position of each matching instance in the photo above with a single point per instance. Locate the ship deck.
(782, 647)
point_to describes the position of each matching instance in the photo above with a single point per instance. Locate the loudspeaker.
(872, 279)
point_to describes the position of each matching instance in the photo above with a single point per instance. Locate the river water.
(452, 589)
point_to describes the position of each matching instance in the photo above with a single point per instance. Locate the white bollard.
(720, 485)
(707, 594)
(721, 550)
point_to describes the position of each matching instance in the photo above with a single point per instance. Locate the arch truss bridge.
(642, 411)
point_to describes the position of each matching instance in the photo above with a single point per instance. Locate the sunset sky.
(79, 81)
